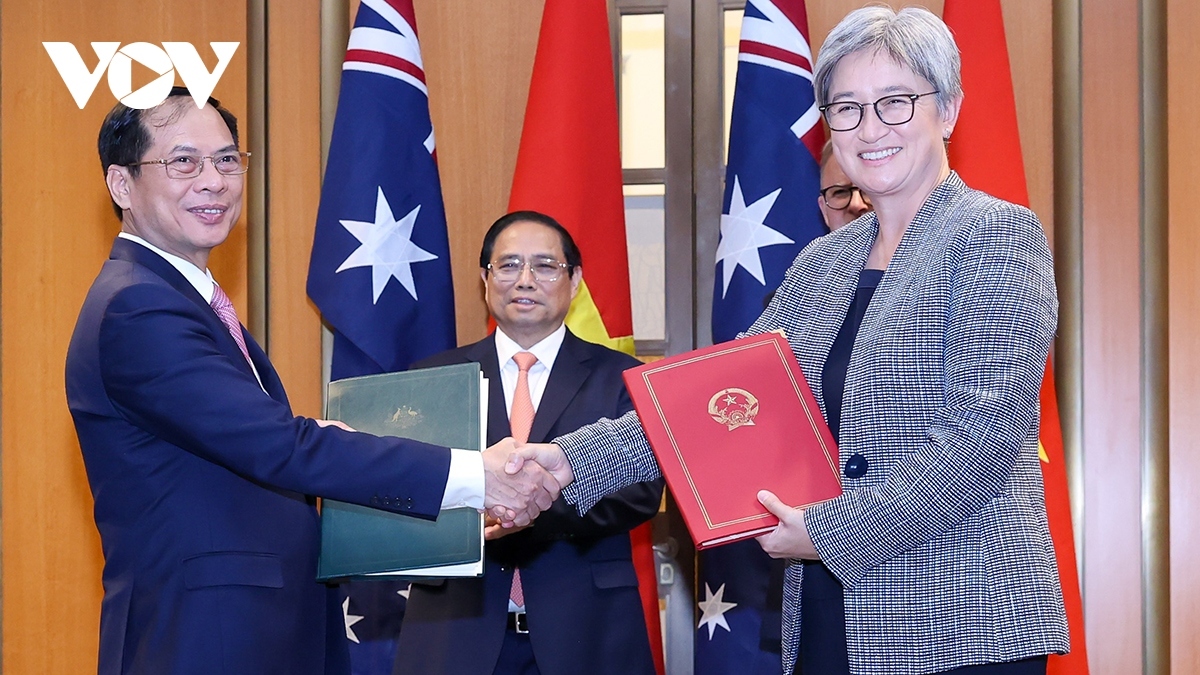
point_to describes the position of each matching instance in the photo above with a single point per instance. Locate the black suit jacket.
(581, 592)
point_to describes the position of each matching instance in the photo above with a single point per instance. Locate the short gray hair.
(913, 37)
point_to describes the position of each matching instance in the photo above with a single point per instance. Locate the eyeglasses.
(544, 270)
(190, 166)
(892, 110)
(838, 197)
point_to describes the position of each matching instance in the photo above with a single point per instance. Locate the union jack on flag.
(380, 266)
(770, 213)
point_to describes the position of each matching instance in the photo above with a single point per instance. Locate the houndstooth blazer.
(942, 546)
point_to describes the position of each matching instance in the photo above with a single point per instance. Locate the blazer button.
(856, 466)
(375, 501)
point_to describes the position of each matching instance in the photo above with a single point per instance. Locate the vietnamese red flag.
(985, 150)
(569, 167)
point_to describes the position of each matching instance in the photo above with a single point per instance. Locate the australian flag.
(770, 212)
(380, 267)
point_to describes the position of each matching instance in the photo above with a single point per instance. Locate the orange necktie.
(520, 420)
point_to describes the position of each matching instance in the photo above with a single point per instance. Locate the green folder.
(446, 406)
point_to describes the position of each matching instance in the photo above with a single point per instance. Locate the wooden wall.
(1111, 309)
(57, 230)
(57, 227)
(1183, 85)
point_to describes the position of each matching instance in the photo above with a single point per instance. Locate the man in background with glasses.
(841, 201)
(203, 479)
(561, 596)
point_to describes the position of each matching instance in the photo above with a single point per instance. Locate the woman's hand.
(790, 538)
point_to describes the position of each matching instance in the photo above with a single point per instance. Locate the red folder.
(727, 421)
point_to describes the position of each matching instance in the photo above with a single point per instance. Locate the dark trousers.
(516, 655)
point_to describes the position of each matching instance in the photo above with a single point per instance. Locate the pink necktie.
(224, 309)
(520, 420)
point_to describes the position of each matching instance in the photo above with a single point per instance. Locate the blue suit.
(581, 591)
(202, 485)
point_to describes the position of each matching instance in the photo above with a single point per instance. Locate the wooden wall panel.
(1111, 343)
(1184, 264)
(293, 162)
(57, 228)
(478, 61)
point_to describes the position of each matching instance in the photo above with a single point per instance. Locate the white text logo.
(118, 60)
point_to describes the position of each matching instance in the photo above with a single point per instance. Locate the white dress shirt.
(546, 351)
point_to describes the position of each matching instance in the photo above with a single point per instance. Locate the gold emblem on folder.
(405, 417)
(733, 407)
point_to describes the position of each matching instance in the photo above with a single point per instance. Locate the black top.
(822, 610)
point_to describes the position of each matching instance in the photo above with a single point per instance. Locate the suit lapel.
(568, 375)
(484, 353)
(266, 372)
(827, 301)
(133, 252)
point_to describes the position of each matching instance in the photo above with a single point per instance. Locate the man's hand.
(334, 423)
(548, 455)
(494, 529)
(515, 496)
(790, 538)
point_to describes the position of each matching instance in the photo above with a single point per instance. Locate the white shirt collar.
(546, 350)
(201, 280)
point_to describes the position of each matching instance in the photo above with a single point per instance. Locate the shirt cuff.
(464, 485)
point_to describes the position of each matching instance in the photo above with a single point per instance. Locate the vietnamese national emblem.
(733, 407)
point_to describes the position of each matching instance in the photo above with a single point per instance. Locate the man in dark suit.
(202, 477)
(581, 612)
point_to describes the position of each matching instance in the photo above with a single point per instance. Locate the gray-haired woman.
(923, 330)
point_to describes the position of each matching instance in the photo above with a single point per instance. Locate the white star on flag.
(387, 248)
(351, 619)
(714, 607)
(743, 233)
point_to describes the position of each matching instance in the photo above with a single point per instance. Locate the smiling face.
(889, 163)
(189, 216)
(528, 310)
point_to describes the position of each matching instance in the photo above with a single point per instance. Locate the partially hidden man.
(574, 607)
(203, 479)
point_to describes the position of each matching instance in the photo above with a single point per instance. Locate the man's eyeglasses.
(838, 197)
(543, 269)
(893, 110)
(190, 166)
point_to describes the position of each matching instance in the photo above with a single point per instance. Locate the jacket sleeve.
(164, 372)
(1000, 319)
(619, 512)
(605, 457)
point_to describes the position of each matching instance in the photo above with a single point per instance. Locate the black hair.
(570, 250)
(124, 137)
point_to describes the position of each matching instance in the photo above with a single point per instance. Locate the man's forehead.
(832, 173)
(526, 233)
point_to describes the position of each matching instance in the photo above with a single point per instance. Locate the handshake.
(521, 481)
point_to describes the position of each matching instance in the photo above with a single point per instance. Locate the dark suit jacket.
(581, 592)
(200, 482)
